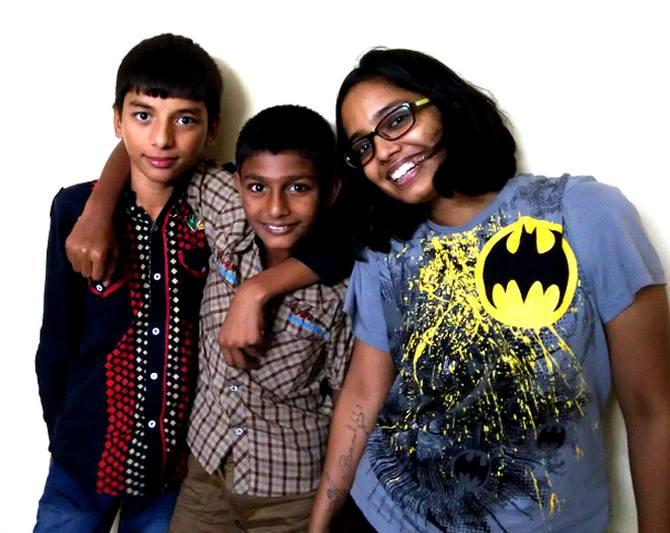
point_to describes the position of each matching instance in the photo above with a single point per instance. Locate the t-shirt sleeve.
(364, 303)
(328, 259)
(330, 252)
(610, 244)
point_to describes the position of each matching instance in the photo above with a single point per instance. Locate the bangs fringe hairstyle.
(480, 149)
(170, 66)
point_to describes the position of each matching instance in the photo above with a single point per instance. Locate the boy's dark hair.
(480, 148)
(291, 128)
(170, 66)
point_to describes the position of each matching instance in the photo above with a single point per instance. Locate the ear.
(117, 122)
(334, 191)
(212, 130)
(238, 182)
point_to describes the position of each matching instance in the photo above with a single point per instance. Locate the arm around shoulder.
(91, 246)
(243, 325)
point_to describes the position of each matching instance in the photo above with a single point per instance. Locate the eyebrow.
(260, 177)
(143, 105)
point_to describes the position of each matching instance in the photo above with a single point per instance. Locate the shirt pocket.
(192, 250)
(107, 314)
(293, 366)
(303, 322)
(97, 289)
(193, 263)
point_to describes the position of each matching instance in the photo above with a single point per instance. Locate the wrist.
(255, 290)
(318, 524)
(97, 208)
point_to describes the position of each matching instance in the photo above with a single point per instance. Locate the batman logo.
(551, 436)
(471, 468)
(526, 274)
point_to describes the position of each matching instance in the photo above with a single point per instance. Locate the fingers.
(82, 264)
(233, 334)
(234, 355)
(239, 336)
(76, 255)
(92, 263)
(86, 268)
(108, 272)
(98, 265)
(238, 359)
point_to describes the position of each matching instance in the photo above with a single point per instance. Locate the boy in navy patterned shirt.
(116, 363)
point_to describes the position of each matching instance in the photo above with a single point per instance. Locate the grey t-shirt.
(496, 331)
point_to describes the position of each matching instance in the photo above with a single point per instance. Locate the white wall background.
(585, 84)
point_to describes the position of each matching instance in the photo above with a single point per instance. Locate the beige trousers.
(207, 504)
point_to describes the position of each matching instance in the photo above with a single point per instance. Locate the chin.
(416, 197)
(278, 245)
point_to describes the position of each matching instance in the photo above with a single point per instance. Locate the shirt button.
(153, 376)
(99, 287)
(232, 388)
(239, 431)
(152, 424)
(156, 331)
(157, 276)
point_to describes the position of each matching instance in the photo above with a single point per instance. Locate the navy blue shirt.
(116, 366)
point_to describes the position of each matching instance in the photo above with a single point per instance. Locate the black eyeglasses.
(392, 126)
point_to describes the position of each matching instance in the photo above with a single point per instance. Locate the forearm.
(353, 421)
(287, 276)
(366, 385)
(639, 342)
(91, 246)
(114, 177)
(649, 451)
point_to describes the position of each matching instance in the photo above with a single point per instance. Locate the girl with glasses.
(492, 312)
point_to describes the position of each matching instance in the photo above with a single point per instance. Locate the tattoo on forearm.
(335, 495)
(357, 426)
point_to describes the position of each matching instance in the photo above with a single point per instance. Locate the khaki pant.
(207, 504)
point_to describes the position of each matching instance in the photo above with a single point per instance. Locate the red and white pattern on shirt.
(123, 468)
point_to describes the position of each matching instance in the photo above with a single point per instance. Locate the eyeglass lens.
(393, 126)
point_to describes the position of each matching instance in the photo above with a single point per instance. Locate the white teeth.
(277, 229)
(403, 169)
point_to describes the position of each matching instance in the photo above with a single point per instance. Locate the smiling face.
(164, 137)
(280, 197)
(402, 168)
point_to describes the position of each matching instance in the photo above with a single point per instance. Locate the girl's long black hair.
(480, 148)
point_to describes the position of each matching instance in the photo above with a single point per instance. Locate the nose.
(384, 148)
(279, 206)
(162, 135)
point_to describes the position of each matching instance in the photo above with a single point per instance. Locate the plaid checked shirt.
(273, 421)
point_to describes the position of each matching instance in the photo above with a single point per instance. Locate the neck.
(151, 196)
(459, 209)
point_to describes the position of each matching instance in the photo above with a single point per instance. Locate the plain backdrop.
(585, 85)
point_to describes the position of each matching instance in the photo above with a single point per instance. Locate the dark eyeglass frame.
(356, 162)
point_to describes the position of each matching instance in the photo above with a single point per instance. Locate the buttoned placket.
(236, 407)
(157, 310)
